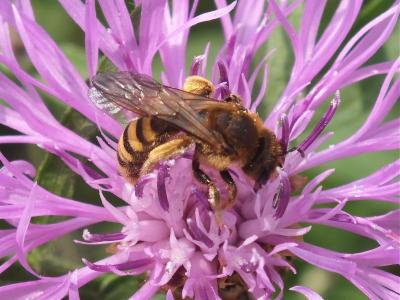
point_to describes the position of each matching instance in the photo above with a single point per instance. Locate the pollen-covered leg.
(198, 85)
(203, 178)
(226, 176)
(165, 151)
(213, 193)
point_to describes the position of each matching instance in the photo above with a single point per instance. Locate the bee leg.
(203, 178)
(226, 176)
(213, 193)
(164, 152)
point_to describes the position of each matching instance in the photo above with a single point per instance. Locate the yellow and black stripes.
(139, 138)
(139, 131)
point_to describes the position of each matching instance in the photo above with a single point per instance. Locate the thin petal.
(91, 38)
(307, 292)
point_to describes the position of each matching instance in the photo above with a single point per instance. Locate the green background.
(57, 257)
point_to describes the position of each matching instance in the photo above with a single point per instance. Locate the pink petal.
(309, 293)
(91, 38)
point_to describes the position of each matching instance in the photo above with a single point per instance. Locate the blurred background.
(62, 255)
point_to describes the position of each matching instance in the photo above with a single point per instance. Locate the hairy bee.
(172, 120)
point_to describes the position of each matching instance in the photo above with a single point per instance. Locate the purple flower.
(167, 228)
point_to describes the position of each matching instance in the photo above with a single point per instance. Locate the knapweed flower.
(166, 228)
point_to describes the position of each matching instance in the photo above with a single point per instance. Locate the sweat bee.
(224, 133)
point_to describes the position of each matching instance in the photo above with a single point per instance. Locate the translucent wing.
(146, 97)
(200, 103)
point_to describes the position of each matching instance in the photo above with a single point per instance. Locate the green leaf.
(52, 173)
(76, 55)
(55, 257)
(50, 177)
(50, 16)
(106, 65)
(370, 10)
(111, 286)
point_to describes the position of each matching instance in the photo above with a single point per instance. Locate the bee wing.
(143, 95)
(116, 90)
(201, 103)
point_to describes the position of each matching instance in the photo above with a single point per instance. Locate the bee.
(171, 120)
(233, 288)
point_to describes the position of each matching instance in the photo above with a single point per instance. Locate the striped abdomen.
(139, 138)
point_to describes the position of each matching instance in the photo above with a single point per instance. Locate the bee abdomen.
(138, 139)
(131, 150)
(131, 169)
(128, 143)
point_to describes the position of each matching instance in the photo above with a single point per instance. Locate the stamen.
(107, 237)
(249, 267)
(200, 197)
(140, 185)
(198, 234)
(343, 217)
(285, 132)
(161, 189)
(169, 267)
(321, 124)
(222, 90)
(130, 265)
(195, 67)
(223, 72)
(281, 198)
(199, 203)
